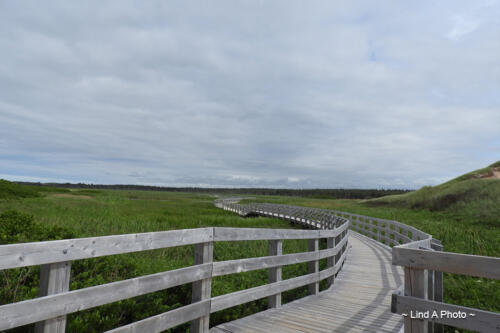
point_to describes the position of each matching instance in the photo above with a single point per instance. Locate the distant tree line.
(311, 193)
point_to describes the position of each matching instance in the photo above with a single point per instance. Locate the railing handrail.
(46, 252)
(55, 257)
(424, 263)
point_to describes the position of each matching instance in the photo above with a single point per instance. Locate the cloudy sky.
(299, 94)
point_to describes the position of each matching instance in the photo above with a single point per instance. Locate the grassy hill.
(10, 190)
(475, 195)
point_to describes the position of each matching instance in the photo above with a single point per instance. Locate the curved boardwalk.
(358, 301)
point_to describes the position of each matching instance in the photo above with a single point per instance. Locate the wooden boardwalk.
(365, 286)
(358, 301)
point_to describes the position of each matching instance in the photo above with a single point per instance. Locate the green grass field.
(466, 221)
(83, 213)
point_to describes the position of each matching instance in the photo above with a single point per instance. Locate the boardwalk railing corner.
(423, 260)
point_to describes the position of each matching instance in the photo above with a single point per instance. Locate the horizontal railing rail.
(419, 254)
(422, 265)
(55, 300)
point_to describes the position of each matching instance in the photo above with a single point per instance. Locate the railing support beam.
(313, 266)
(203, 253)
(275, 249)
(330, 261)
(54, 279)
(437, 286)
(416, 286)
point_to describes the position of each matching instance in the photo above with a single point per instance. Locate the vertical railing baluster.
(438, 285)
(313, 266)
(415, 286)
(330, 261)
(203, 253)
(54, 279)
(275, 249)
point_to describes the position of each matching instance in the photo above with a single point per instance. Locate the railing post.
(438, 286)
(330, 261)
(54, 279)
(203, 253)
(313, 266)
(415, 285)
(275, 249)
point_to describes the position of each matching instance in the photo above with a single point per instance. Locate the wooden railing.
(424, 265)
(55, 301)
(423, 262)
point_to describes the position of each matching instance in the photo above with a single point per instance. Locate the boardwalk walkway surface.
(358, 301)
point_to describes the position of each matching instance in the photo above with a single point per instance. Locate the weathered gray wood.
(202, 289)
(481, 321)
(330, 261)
(313, 266)
(333, 251)
(430, 296)
(166, 320)
(250, 264)
(420, 244)
(333, 232)
(244, 296)
(349, 306)
(416, 286)
(465, 264)
(39, 253)
(240, 234)
(275, 249)
(54, 279)
(38, 309)
(438, 285)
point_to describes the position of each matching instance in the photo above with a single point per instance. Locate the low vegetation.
(90, 212)
(463, 214)
(309, 193)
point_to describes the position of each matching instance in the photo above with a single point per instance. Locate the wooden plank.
(241, 234)
(329, 252)
(202, 289)
(424, 243)
(244, 296)
(476, 320)
(334, 232)
(39, 253)
(54, 279)
(250, 264)
(275, 249)
(330, 261)
(38, 309)
(465, 264)
(313, 266)
(438, 284)
(415, 285)
(167, 320)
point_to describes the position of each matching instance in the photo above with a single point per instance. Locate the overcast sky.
(300, 94)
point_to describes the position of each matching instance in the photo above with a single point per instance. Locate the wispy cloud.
(242, 93)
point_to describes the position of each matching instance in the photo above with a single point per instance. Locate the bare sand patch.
(493, 174)
(74, 196)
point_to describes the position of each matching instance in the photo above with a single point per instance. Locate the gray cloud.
(248, 93)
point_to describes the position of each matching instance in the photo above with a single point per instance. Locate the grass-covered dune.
(475, 195)
(463, 213)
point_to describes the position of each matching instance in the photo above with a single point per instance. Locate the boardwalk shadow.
(365, 316)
